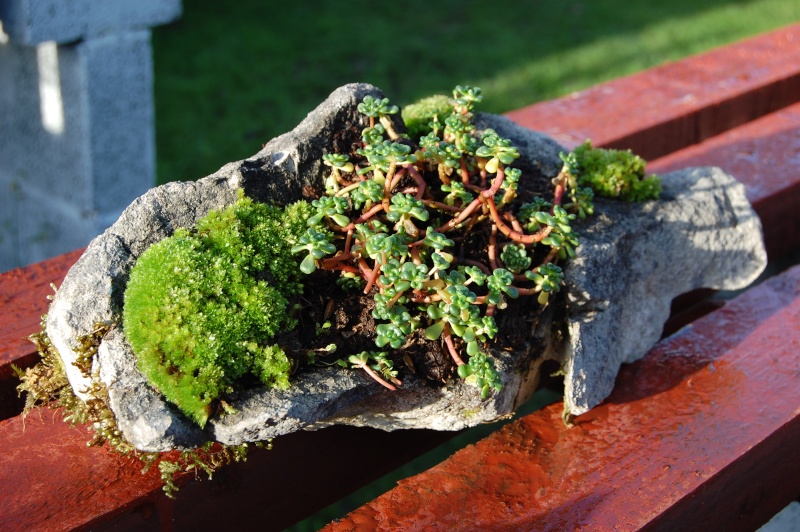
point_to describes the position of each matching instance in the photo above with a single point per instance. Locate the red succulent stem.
(421, 185)
(441, 206)
(461, 217)
(375, 376)
(330, 262)
(526, 291)
(491, 249)
(557, 195)
(448, 340)
(510, 233)
(513, 221)
(482, 266)
(474, 188)
(373, 276)
(496, 184)
(375, 209)
(387, 184)
(348, 241)
(419, 242)
(397, 177)
(349, 268)
(464, 172)
(550, 256)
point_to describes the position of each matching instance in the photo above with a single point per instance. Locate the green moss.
(202, 307)
(614, 173)
(418, 116)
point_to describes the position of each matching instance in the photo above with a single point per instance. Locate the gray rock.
(93, 289)
(618, 293)
(635, 258)
(539, 153)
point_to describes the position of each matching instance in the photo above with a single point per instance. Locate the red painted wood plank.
(51, 481)
(23, 301)
(765, 156)
(667, 108)
(704, 433)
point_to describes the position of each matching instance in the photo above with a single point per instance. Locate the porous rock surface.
(633, 260)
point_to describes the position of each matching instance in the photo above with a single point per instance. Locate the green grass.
(229, 76)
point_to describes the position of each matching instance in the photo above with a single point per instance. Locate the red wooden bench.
(702, 433)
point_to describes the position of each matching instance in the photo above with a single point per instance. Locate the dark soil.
(352, 330)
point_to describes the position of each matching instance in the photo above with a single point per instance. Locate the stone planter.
(633, 260)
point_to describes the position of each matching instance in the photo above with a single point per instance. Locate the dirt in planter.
(351, 328)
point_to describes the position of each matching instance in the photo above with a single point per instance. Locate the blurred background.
(231, 76)
(99, 103)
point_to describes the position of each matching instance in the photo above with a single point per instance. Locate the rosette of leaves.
(202, 307)
(379, 108)
(480, 372)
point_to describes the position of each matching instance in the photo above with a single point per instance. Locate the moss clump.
(418, 116)
(46, 383)
(46, 386)
(201, 307)
(615, 174)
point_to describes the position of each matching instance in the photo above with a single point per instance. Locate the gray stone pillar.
(77, 139)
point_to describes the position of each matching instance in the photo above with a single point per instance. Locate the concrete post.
(77, 139)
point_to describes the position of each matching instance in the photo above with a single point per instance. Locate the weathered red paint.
(52, 481)
(23, 301)
(702, 407)
(667, 108)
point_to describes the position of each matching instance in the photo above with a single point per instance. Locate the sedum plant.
(202, 307)
(401, 213)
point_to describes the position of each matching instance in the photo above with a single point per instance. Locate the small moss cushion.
(615, 174)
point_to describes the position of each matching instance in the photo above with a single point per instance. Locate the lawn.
(229, 76)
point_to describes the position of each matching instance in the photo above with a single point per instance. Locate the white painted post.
(77, 138)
